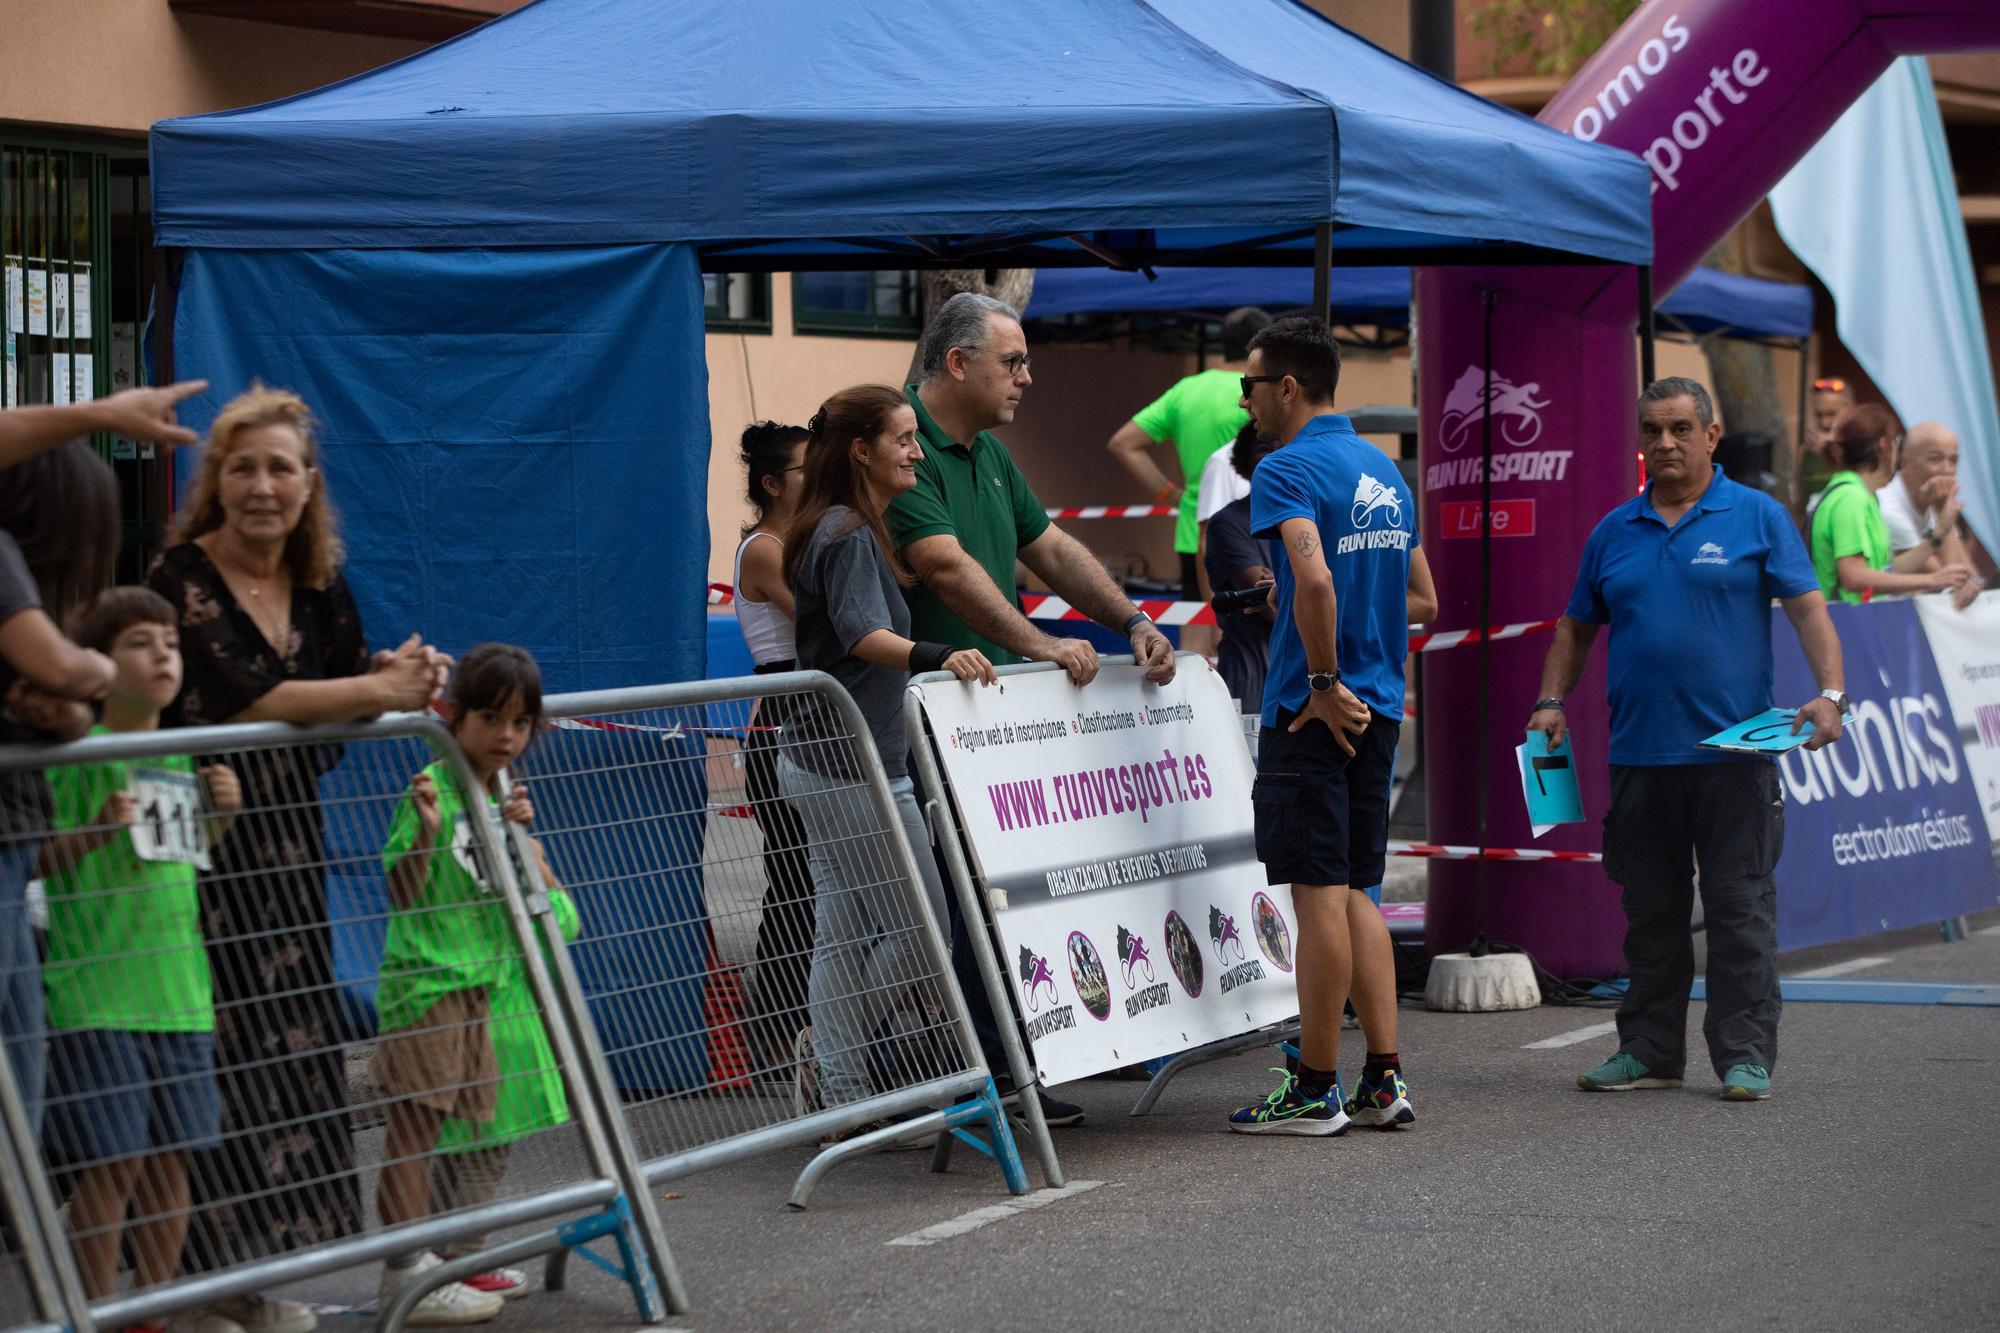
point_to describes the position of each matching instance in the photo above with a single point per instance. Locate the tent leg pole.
(1323, 273)
(1648, 371)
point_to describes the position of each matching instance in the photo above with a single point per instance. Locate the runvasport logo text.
(1517, 411)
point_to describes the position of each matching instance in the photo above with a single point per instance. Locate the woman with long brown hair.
(269, 632)
(853, 624)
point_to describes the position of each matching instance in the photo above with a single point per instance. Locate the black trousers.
(785, 929)
(963, 965)
(1730, 820)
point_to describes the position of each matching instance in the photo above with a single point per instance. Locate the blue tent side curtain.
(1707, 301)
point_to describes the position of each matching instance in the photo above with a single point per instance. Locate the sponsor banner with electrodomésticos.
(1112, 828)
(1883, 829)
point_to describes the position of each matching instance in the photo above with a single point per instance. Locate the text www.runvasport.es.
(1097, 793)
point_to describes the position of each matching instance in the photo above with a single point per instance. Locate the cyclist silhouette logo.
(1517, 413)
(1132, 956)
(1372, 497)
(1036, 974)
(1222, 930)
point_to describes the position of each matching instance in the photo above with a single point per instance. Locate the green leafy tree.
(1547, 36)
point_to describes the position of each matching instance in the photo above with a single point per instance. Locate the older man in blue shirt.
(1684, 574)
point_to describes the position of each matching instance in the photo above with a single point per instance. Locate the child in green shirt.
(132, 1059)
(463, 1056)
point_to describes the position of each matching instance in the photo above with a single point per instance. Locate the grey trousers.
(867, 953)
(1730, 819)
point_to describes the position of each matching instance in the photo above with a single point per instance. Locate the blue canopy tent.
(481, 265)
(1708, 301)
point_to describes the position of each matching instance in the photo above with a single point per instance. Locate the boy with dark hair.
(132, 1060)
(1351, 580)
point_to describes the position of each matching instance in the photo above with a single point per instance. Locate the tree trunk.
(1012, 285)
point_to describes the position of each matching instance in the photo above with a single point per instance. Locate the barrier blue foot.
(630, 1266)
(986, 1109)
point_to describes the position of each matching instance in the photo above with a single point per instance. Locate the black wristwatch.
(1136, 619)
(1322, 681)
(1553, 701)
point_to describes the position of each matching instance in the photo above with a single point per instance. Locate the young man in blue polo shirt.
(1351, 580)
(1684, 575)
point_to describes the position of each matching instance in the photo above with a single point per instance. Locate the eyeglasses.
(1249, 380)
(783, 470)
(1016, 363)
(1833, 384)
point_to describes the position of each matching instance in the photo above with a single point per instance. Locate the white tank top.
(766, 629)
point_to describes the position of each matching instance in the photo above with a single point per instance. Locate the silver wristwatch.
(1839, 699)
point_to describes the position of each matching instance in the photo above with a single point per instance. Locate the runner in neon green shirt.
(1200, 414)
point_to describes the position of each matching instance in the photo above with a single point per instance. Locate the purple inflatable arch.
(1721, 98)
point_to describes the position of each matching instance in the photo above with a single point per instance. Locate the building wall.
(116, 66)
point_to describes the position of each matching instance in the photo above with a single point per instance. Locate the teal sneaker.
(1622, 1073)
(1289, 1111)
(1382, 1102)
(1746, 1083)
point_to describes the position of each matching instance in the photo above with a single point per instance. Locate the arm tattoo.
(1306, 544)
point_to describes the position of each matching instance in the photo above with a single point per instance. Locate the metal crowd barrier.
(200, 1051)
(714, 935)
(665, 1040)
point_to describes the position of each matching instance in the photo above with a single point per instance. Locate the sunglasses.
(1831, 385)
(1249, 380)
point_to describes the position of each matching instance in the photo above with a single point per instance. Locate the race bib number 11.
(171, 825)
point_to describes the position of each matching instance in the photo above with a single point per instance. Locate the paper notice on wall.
(8, 392)
(32, 287)
(74, 378)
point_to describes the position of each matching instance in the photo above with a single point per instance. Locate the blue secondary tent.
(482, 264)
(1707, 300)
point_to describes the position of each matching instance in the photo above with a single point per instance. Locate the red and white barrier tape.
(1043, 606)
(1440, 852)
(1117, 511)
(1454, 638)
(1040, 606)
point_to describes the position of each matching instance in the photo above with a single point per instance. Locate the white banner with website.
(1966, 647)
(1112, 828)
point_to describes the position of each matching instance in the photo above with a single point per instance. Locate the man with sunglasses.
(1831, 396)
(1350, 580)
(970, 516)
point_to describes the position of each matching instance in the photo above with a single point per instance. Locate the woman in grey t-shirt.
(852, 623)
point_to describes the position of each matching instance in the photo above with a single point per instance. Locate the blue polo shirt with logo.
(1368, 522)
(1690, 616)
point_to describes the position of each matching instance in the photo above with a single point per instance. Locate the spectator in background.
(270, 633)
(1849, 540)
(961, 529)
(58, 540)
(1921, 508)
(774, 459)
(854, 625)
(1198, 416)
(1236, 559)
(1830, 397)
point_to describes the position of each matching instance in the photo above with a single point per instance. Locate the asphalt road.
(1866, 1192)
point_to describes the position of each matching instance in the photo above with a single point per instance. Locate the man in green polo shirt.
(971, 514)
(961, 528)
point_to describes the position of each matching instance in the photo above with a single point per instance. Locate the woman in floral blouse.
(269, 632)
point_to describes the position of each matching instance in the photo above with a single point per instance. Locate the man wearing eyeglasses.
(970, 516)
(1351, 580)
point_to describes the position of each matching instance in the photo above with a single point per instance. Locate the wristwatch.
(1136, 619)
(1553, 701)
(1839, 698)
(1322, 681)
(1935, 538)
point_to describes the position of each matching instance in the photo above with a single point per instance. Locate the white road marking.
(1839, 969)
(999, 1212)
(1987, 930)
(1572, 1038)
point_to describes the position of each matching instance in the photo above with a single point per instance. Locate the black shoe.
(1059, 1114)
